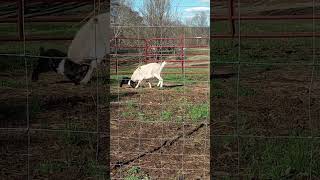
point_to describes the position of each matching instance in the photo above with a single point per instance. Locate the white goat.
(148, 71)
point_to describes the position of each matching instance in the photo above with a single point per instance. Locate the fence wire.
(262, 125)
(160, 133)
(47, 129)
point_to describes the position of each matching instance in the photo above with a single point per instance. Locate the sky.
(186, 9)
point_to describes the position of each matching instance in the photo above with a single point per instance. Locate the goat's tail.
(162, 65)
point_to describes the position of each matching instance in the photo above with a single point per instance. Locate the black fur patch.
(75, 72)
(47, 64)
(125, 80)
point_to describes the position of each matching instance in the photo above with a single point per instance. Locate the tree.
(122, 14)
(156, 13)
(200, 19)
(199, 24)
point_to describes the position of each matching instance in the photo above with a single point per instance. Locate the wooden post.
(20, 12)
(231, 20)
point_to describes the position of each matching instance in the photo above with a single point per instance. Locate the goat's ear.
(123, 81)
(131, 83)
(41, 50)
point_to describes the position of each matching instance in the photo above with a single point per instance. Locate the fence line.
(232, 18)
(236, 134)
(153, 50)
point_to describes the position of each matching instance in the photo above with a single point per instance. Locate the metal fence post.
(116, 52)
(146, 50)
(182, 53)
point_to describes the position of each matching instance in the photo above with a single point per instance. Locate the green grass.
(50, 167)
(91, 168)
(135, 173)
(94, 169)
(199, 57)
(219, 93)
(181, 89)
(8, 83)
(131, 108)
(246, 91)
(8, 29)
(276, 159)
(46, 29)
(73, 138)
(198, 112)
(35, 108)
(166, 115)
(255, 26)
(297, 50)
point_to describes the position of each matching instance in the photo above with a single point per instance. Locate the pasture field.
(264, 113)
(266, 116)
(162, 133)
(63, 121)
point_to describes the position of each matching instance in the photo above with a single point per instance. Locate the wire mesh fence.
(160, 133)
(49, 129)
(163, 132)
(264, 115)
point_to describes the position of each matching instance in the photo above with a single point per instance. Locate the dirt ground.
(268, 133)
(163, 149)
(62, 140)
(274, 105)
(63, 123)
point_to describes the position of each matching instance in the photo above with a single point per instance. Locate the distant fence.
(19, 17)
(172, 50)
(231, 17)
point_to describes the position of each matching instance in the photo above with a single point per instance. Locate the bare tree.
(160, 15)
(199, 24)
(200, 19)
(156, 13)
(122, 18)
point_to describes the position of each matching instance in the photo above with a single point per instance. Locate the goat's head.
(127, 80)
(75, 72)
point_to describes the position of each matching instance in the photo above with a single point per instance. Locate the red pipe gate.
(173, 50)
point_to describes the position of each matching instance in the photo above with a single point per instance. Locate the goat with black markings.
(73, 71)
(145, 72)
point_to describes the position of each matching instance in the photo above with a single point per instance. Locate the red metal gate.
(158, 49)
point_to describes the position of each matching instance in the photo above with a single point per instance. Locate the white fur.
(91, 42)
(148, 71)
(60, 68)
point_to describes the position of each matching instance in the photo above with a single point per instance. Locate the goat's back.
(146, 71)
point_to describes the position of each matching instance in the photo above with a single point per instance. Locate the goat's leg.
(138, 84)
(88, 75)
(160, 80)
(149, 84)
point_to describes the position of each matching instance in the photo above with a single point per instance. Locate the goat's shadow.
(172, 85)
